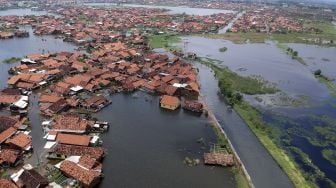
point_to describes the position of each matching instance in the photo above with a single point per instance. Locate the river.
(145, 145)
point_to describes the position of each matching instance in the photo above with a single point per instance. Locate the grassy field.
(163, 40)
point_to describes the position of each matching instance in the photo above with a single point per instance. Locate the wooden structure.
(218, 156)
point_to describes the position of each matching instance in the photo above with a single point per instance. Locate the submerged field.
(231, 84)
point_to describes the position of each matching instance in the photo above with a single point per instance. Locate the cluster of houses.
(68, 86)
(269, 20)
(70, 81)
(15, 141)
(83, 24)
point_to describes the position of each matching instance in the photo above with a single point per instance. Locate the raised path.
(259, 164)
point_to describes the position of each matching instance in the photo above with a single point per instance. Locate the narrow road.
(263, 170)
(37, 130)
(224, 29)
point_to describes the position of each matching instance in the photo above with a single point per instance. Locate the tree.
(318, 72)
(85, 68)
(295, 53)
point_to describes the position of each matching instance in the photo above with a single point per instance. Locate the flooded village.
(66, 88)
(102, 95)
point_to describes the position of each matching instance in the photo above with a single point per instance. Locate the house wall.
(169, 107)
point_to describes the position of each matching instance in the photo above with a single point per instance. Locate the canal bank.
(260, 165)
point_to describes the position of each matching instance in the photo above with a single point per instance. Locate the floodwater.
(22, 12)
(290, 76)
(145, 145)
(20, 47)
(172, 9)
(260, 165)
(264, 59)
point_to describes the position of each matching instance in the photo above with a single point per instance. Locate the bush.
(318, 72)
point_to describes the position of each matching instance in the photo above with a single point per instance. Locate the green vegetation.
(221, 139)
(295, 55)
(319, 131)
(290, 51)
(326, 81)
(239, 38)
(191, 162)
(55, 175)
(12, 60)
(230, 84)
(330, 155)
(163, 40)
(223, 49)
(240, 178)
(312, 172)
(327, 135)
(253, 119)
